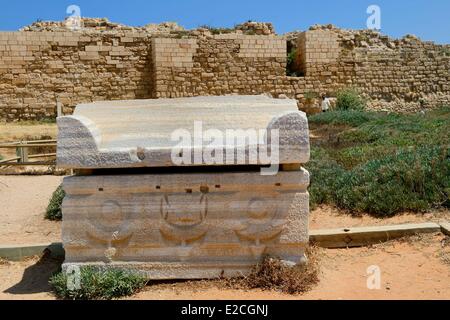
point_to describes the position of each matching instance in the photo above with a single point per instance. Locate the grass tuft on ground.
(273, 274)
(98, 284)
(54, 211)
(380, 163)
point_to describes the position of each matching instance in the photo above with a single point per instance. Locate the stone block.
(109, 142)
(182, 222)
(185, 226)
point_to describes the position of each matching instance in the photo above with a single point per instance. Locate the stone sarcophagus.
(185, 188)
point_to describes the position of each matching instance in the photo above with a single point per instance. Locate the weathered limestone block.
(185, 225)
(138, 133)
(132, 207)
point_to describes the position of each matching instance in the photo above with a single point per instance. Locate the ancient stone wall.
(40, 67)
(402, 75)
(218, 65)
(37, 69)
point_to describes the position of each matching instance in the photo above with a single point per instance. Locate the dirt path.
(23, 201)
(414, 268)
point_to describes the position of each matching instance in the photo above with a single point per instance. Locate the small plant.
(54, 212)
(216, 31)
(350, 99)
(99, 284)
(47, 120)
(310, 97)
(292, 56)
(273, 274)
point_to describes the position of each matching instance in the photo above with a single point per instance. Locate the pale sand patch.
(23, 202)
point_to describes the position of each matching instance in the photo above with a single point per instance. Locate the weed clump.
(273, 274)
(54, 211)
(98, 284)
(350, 99)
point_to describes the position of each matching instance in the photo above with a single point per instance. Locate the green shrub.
(99, 284)
(292, 55)
(54, 207)
(353, 118)
(415, 180)
(324, 173)
(380, 163)
(349, 99)
(446, 52)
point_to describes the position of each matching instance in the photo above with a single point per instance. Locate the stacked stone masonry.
(38, 69)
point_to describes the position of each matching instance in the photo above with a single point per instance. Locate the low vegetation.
(98, 284)
(216, 30)
(380, 163)
(54, 211)
(290, 70)
(350, 99)
(273, 274)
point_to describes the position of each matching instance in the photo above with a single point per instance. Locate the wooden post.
(59, 110)
(22, 152)
(291, 167)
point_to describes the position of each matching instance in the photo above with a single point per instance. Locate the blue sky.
(428, 19)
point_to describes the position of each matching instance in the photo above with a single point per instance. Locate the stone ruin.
(132, 205)
(47, 65)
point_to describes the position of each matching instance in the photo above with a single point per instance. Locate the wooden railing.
(23, 157)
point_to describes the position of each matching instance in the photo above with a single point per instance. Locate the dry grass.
(270, 275)
(273, 274)
(22, 131)
(10, 132)
(4, 262)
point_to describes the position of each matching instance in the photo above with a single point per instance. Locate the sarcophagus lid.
(198, 131)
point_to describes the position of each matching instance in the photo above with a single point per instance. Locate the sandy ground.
(414, 268)
(23, 201)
